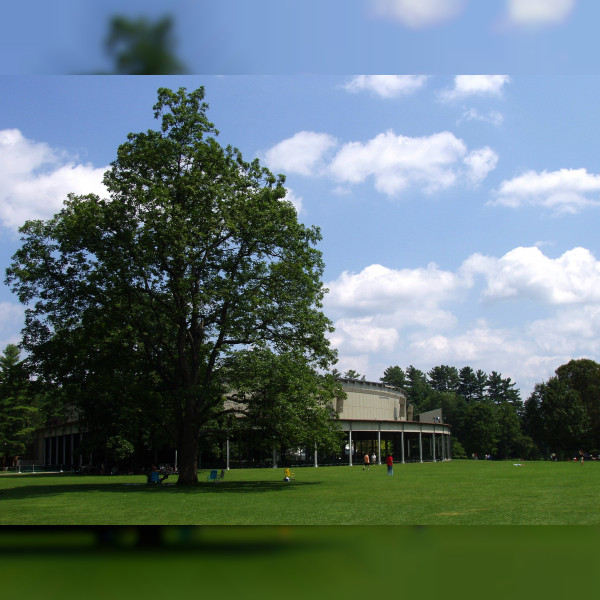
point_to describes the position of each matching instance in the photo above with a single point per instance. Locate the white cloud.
(477, 344)
(302, 153)
(475, 85)
(418, 14)
(539, 12)
(526, 273)
(380, 290)
(493, 117)
(397, 162)
(562, 191)
(35, 179)
(387, 316)
(387, 86)
(373, 306)
(480, 163)
(363, 335)
(572, 330)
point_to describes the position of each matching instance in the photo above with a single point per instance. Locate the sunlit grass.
(458, 492)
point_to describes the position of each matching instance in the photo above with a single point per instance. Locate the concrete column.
(420, 446)
(379, 445)
(350, 446)
(402, 439)
(433, 438)
(227, 453)
(274, 458)
(316, 459)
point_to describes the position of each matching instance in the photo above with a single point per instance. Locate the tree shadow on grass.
(223, 487)
(213, 541)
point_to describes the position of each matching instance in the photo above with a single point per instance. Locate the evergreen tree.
(444, 379)
(394, 376)
(417, 388)
(472, 384)
(18, 413)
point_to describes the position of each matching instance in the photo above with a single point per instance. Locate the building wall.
(371, 402)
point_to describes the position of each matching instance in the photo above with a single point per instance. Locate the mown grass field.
(452, 493)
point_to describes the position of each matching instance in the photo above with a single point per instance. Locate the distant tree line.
(487, 415)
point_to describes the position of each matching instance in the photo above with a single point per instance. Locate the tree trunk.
(188, 456)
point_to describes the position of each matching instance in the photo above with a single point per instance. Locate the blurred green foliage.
(141, 47)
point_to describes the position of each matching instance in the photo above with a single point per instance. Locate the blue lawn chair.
(213, 476)
(154, 478)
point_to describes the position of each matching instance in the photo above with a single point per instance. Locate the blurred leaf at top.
(141, 47)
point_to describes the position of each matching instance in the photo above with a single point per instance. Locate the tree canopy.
(148, 297)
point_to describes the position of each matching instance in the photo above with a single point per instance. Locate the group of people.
(389, 461)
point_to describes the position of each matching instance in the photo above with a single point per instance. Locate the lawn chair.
(213, 476)
(221, 475)
(288, 475)
(154, 479)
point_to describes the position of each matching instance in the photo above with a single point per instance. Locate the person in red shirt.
(390, 464)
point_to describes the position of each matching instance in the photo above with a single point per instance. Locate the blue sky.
(316, 36)
(459, 214)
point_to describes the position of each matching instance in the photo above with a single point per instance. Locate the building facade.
(377, 419)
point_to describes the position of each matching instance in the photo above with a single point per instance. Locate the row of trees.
(482, 409)
(488, 416)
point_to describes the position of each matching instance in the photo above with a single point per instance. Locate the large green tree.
(481, 429)
(195, 257)
(562, 416)
(583, 377)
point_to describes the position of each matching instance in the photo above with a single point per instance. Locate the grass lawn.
(452, 493)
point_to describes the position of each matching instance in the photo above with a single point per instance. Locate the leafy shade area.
(487, 415)
(450, 493)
